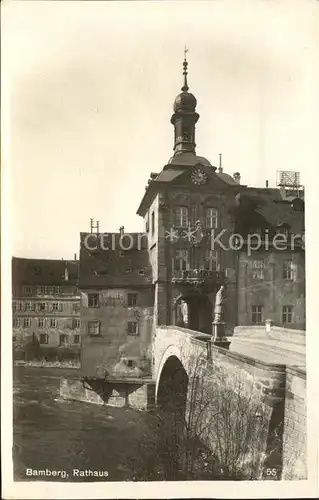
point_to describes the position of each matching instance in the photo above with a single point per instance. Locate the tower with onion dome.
(185, 117)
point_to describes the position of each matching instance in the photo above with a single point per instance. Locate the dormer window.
(297, 204)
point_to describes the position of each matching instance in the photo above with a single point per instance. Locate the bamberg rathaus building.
(173, 276)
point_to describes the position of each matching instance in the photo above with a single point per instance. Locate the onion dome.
(185, 102)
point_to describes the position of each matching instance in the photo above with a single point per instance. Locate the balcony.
(197, 276)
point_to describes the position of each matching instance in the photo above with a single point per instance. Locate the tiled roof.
(115, 267)
(227, 178)
(44, 271)
(266, 207)
(189, 159)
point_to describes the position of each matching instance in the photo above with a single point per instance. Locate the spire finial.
(185, 64)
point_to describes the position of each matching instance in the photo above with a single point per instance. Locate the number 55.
(271, 472)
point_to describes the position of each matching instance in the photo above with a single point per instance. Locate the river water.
(55, 435)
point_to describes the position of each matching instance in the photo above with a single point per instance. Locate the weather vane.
(185, 64)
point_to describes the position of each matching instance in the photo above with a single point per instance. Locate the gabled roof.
(44, 271)
(177, 167)
(115, 267)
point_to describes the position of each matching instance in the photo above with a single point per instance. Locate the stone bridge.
(272, 392)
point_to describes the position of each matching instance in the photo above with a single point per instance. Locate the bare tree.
(221, 433)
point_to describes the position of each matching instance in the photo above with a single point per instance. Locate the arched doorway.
(194, 311)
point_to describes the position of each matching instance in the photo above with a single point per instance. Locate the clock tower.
(183, 205)
(185, 117)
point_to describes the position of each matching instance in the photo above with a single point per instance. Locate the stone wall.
(279, 393)
(295, 425)
(138, 396)
(115, 352)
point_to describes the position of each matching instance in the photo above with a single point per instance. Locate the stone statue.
(219, 301)
(184, 310)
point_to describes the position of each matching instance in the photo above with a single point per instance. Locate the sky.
(90, 89)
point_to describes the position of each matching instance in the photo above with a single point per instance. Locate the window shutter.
(60, 306)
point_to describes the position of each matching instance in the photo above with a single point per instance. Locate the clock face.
(199, 177)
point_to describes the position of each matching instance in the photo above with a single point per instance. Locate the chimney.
(75, 256)
(266, 184)
(121, 230)
(236, 177)
(220, 169)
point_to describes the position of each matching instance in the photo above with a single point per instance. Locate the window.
(287, 314)
(131, 299)
(288, 270)
(132, 328)
(181, 261)
(44, 338)
(192, 215)
(27, 290)
(258, 269)
(16, 322)
(48, 290)
(131, 363)
(211, 260)
(211, 218)
(26, 322)
(76, 339)
(153, 223)
(141, 272)
(181, 216)
(93, 300)
(257, 314)
(63, 339)
(53, 323)
(76, 323)
(94, 328)
(56, 306)
(147, 223)
(27, 306)
(42, 306)
(41, 322)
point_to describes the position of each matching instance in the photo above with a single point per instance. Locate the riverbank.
(48, 364)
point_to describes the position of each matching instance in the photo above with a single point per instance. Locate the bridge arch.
(172, 387)
(172, 382)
